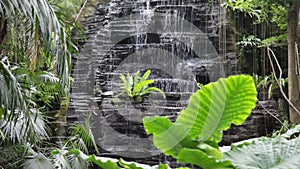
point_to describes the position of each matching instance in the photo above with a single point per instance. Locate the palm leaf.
(78, 162)
(60, 159)
(12, 154)
(25, 128)
(45, 77)
(11, 92)
(38, 161)
(84, 135)
(42, 15)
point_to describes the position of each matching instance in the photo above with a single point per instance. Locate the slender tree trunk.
(3, 33)
(293, 80)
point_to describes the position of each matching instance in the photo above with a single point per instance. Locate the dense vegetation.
(271, 25)
(35, 65)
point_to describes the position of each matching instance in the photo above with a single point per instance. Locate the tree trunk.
(293, 81)
(3, 33)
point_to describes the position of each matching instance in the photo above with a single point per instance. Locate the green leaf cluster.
(268, 21)
(269, 83)
(136, 87)
(72, 6)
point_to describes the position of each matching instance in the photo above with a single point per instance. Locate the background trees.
(273, 25)
(293, 60)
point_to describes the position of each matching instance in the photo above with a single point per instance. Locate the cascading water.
(177, 40)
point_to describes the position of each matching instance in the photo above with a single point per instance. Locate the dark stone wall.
(259, 123)
(117, 124)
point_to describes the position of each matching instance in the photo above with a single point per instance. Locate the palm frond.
(77, 162)
(11, 96)
(25, 128)
(38, 161)
(45, 76)
(43, 15)
(12, 155)
(60, 160)
(84, 136)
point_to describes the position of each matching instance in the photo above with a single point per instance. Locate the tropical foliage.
(269, 83)
(35, 57)
(272, 24)
(281, 151)
(137, 87)
(35, 65)
(189, 139)
(271, 12)
(265, 153)
(104, 162)
(194, 136)
(73, 6)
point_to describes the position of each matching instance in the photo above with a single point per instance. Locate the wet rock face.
(259, 123)
(177, 40)
(126, 36)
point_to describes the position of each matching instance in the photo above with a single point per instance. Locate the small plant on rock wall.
(137, 88)
(268, 83)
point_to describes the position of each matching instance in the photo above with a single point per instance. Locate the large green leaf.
(168, 137)
(103, 162)
(200, 158)
(134, 165)
(294, 131)
(217, 105)
(210, 111)
(267, 153)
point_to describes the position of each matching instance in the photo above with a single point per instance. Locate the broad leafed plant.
(137, 87)
(195, 135)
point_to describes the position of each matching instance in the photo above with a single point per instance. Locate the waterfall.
(177, 40)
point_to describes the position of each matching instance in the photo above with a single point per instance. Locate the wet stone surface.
(183, 58)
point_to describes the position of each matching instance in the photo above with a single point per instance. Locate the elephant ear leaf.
(168, 137)
(217, 105)
(200, 158)
(266, 153)
(210, 111)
